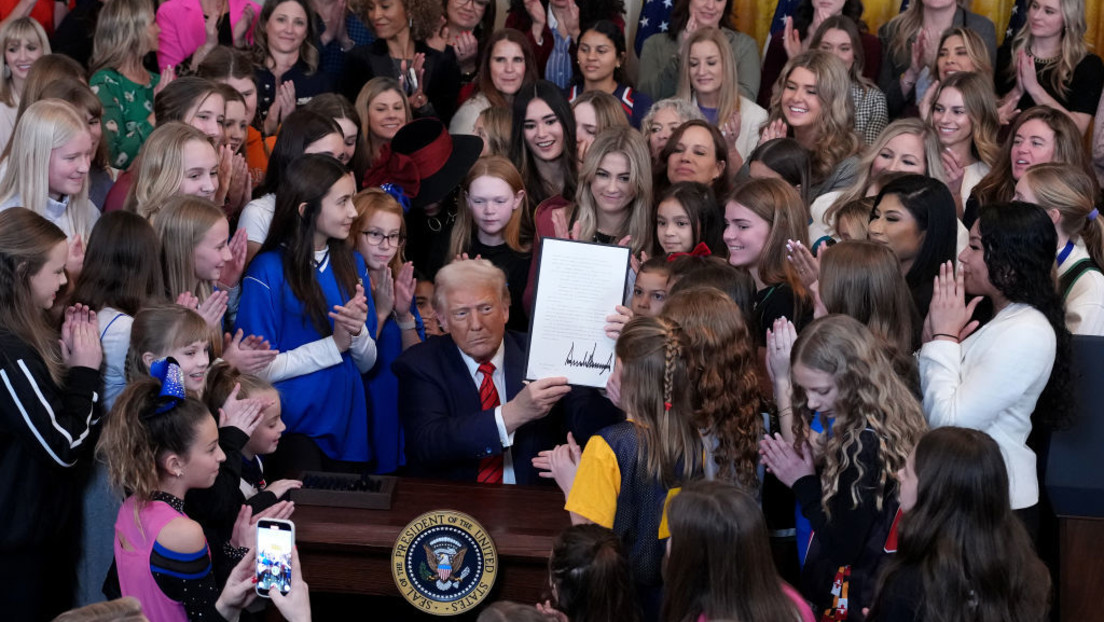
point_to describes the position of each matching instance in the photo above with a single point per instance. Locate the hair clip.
(1093, 214)
(398, 194)
(167, 370)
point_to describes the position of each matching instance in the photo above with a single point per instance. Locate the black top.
(442, 75)
(901, 598)
(854, 536)
(774, 302)
(307, 85)
(45, 431)
(1086, 83)
(516, 266)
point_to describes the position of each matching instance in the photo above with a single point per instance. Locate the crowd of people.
(239, 242)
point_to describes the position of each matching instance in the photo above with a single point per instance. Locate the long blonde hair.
(22, 29)
(161, 167)
(46, 125)
(121, 34)
(1070, 191)
(836, 137)
(729, 103)
(26, 240)
(1073, 46)
(981, 106)
(933, 162)
(631, 144)
(180, 225)
(464, 228)
(870, 395)
(369, 92)
(905, 26)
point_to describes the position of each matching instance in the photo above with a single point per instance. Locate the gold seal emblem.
(444, 562)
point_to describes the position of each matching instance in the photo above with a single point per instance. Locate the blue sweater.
(328, 405)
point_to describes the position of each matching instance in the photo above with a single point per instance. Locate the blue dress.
(328, 405)
(383, 387)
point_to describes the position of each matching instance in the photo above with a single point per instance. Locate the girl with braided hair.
(628, 470)
(845, 480)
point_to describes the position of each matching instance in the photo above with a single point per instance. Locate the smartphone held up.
(275, 541)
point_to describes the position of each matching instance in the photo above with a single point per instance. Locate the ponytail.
(222, 377)
(136, 436)
(1093, 235)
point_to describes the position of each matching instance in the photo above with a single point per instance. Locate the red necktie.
(490, 468)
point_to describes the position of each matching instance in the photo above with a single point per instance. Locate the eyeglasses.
(479, 3)
(376, 238)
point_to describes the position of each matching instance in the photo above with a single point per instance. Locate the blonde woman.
(176, 160)
(964, 115)
(383, 109)
(812, 103)
(24, 42)
(125, 33)
(1048, 64)
(960, 49)
(202, 265)
(1067, 194)
(707, 77)
(909, 44)
(905, 146)
(47, 171)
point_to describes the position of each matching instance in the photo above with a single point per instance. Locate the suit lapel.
(514, 362)
(467, 394)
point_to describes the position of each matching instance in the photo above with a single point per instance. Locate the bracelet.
(406, 325)
(955, 337)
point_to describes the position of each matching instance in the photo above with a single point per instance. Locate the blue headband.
(167, 370)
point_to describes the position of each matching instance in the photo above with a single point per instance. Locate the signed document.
(578, 285)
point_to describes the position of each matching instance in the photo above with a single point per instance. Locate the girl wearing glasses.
(379, 234)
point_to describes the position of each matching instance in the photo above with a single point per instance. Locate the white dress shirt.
(499, 379)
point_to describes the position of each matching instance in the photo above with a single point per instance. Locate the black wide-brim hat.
(425, 161)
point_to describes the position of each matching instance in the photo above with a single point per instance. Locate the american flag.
(655, 16)
(784, 9)
(1018, 18)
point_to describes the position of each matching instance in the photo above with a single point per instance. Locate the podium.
(1075, 485)
(344, 550)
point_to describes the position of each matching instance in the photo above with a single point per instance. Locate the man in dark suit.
(466, 412)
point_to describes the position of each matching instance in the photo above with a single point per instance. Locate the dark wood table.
(348, 551)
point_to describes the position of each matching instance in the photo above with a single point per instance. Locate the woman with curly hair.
(554, 28)
(1048, 63)
(839, 35)
(845, 480)
(812, 103)
(962, 555)
(430, 79)
(1009, 378)
(287, 70)
(722, 363)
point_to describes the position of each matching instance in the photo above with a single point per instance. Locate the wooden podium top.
(348, 550)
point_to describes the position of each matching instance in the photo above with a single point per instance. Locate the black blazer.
(442, 75)
(447, 430)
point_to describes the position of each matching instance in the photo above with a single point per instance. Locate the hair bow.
(167, 370)
(397, 194)
(701, 250)
(397, 168)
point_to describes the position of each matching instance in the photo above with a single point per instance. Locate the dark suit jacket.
(442, 75)
(447, 431)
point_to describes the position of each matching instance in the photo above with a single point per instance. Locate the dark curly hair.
(1019, 240)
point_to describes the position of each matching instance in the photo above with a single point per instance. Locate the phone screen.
(275, 539)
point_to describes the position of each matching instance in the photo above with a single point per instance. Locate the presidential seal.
(444, 562)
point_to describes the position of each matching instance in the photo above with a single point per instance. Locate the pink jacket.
(183, 31)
